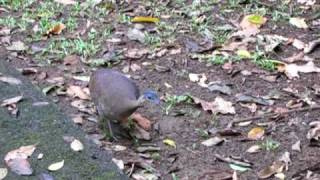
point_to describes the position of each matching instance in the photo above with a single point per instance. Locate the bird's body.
(115, 96)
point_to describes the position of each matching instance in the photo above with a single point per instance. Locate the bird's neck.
(140, 101)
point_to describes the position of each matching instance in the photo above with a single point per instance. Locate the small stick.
(274, 114)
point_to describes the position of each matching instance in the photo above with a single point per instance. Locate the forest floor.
(239, 80)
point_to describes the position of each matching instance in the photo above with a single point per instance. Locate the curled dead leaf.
(141, 121)
(276, 167)
(56, 29)
(219, 105)
(77, 91)
(256, 133)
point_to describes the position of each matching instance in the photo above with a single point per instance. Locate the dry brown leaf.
(141, 121)
(136, 53)
(276, 167)
(77, 91)
(71, 60)
(256, 133)
(56, 30)
(219, 105)
(292, 70)
(77, 119)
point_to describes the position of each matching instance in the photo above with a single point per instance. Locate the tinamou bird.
(116, 97)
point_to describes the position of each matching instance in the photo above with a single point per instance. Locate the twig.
(234, 161)
(275, 114)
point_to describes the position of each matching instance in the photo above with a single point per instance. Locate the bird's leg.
(111, 131)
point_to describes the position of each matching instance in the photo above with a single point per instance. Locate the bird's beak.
(157, 101)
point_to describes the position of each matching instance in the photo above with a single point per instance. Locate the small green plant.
(203, 133)
(8, 21)
(123, 18)
(78, 46)
(153, 40)
(270, 145)
(171, 101)
(217, 59)
(259, 58)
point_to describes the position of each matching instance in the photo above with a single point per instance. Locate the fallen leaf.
(141, 121)
(76, 145)
(251, 99)
(10, 101)
(292, 70)
(135, 53)
(252, 21)
(77, 119)
(10, 80)
(311, 46)
(280, 176)
(77, 91)
(82, 78)
(237, 167)
(66, 2)
(169, 142)
(296, 146)
(298, 44)
(256, 133)
(219, 105)
(3, 173)
(286, 159)
(40, 156)
(17, 46)
(217, 86)
(298, 22)
(136, 35)
(20, 166)
(71, 60)
(119, 163)
(147, 19)
(213, 141)
(119, 148)
(250, 25)
(56, 29)
(254, 149)
(17, 161)
(276, 167)
(56, 166)
(135, 67)
(244, 54)
(314, 132)
(251, 106)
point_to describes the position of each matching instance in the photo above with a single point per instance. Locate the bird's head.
(151, 96)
